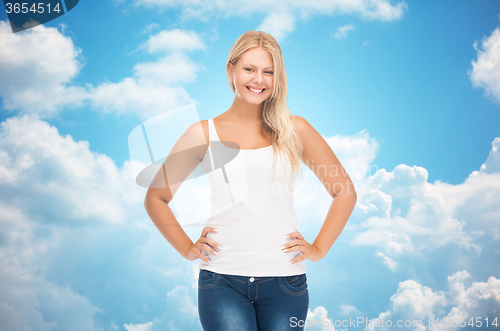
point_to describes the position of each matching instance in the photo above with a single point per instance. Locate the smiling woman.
(253, 79)
(252, 255)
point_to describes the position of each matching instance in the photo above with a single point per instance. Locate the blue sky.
(407, 94)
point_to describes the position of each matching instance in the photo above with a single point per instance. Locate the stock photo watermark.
(26, 14)
(387, 323)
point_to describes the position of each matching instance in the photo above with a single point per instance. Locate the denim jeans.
(241, 303)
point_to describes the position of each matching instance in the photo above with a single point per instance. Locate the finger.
(198, 252)
(213, 243)
(210, 249)
(203, 245)
(297, 248)
(299, 236)
(287, 245)
(295, 234)
(298, 259)
(204, 258)
(206, 230)
(293, 243)
(209, 241)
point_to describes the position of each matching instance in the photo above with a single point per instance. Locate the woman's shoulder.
(302, 125)
(298, 121)
(198, 130)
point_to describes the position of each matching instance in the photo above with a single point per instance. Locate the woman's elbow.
(150, 196)
(154, 194)
(353, 194)
(346, 190)
(147, 200)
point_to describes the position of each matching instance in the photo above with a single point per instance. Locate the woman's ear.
(229, 70)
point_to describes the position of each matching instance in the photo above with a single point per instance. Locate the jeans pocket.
(295, 285)
(207, 278)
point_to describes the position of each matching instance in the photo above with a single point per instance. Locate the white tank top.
(252, 211)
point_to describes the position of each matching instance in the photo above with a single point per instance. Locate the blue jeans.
(230, 302)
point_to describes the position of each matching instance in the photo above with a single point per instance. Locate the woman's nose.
(258, 77)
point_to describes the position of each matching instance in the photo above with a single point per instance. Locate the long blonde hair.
(276, 117)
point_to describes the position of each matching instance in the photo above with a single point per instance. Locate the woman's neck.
(244, 111)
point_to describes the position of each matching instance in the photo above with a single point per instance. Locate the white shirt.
(251, 211)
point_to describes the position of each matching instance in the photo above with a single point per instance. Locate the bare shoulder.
(299, 122)
(304, 128)
(314, 146)
(194, 138)
(204, 126)
(198, 131)
(320, 158)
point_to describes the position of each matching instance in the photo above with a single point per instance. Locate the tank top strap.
(212, 133)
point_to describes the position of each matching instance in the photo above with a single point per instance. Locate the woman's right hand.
(204, 243)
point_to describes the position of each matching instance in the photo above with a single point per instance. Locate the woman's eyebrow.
(248, 64)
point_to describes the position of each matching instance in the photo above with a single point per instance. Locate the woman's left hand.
(308, 250)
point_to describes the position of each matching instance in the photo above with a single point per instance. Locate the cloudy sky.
(407, 94)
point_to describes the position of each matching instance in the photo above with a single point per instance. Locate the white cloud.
(175, 40)
(70, 219)
(155, 86)
(129, 97)
(400, 213)
(418, 216)
(139, 327)
(485, 72)
(28, 300)
(278, 24)
(342, 31)
(284, 13)
(355, 154)
(411, 302)
(35, 67)
(179, 301)
(52, 183)
(65, 210)
(319, 318)
(388, 261)
(148, 28)
(407, 215)
(414, 302)
(43, 167)
(492, 163)
(169, 70)
(349, 310)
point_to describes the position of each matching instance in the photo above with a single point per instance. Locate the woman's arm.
(165, 221)
(185, 156)
(319, 157)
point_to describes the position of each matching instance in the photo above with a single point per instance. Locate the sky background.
(406, 93)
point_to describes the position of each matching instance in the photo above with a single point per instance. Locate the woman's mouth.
(256, 90)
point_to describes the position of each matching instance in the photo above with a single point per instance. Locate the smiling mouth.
(255, 91)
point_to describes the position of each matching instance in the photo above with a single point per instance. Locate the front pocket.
(207, 278)
(295, 285)
(205, 274)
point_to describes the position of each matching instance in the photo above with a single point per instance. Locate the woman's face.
(253, 75)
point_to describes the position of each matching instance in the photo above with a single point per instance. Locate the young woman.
(252, 255)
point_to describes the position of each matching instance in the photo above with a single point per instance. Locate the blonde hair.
(276, 117)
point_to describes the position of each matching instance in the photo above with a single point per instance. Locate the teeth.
(256, 91)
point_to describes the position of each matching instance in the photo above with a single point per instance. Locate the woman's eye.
(266, 72)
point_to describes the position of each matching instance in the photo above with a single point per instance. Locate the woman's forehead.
(257, 56)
